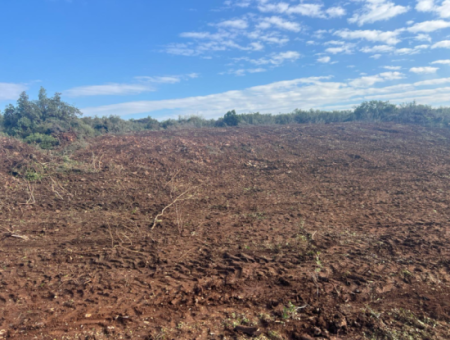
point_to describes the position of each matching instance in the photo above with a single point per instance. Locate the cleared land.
(335, 231)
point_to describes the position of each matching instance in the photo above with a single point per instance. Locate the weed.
(289, 311)
(273, 335)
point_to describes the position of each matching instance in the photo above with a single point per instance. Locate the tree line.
(42, 121)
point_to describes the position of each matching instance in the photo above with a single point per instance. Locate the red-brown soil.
(297, 232)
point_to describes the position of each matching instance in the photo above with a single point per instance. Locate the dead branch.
(31, 199)
(179, 198)
(16, 236)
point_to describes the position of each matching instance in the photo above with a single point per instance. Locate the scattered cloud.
(279, 22)
(441, 62)
(387, 37)
(145, 84)
(378, 49)
(377, 10)
(423, 70)
(336, 12)
(367, 81)
(423, 37)
(442, 44)
(11, 91)
(108, 90)
(274, 59)
(392, 68)
(346, 48)
(324, 60)
(393, 50)
(284, 96)
(242, 72)
(428, 26)
(167, 79)
(440, 8)
(236, 23)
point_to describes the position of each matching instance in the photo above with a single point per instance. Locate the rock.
(248, 330)
(317, 331)
(298, 336)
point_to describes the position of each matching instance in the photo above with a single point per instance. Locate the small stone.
(248, 330)
(317, 331)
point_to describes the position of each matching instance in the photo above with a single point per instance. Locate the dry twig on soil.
(179, 198)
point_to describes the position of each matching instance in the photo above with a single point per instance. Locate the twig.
(30, 200)
(10, 234)
(168, 206)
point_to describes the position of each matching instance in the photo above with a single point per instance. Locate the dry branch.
(179, 198)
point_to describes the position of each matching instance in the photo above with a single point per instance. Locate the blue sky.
(135, 58)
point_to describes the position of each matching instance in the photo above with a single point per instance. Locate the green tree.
(45, 115)
(231, 118)
(376, 110)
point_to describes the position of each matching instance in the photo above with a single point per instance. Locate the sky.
(171, 58)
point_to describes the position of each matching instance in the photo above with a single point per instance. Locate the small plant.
(289, 311)
(32, 175)
(44, 141)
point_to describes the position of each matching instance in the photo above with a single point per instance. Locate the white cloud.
(324, 60)
(309, 10)
(441, 62)
(392, 68)
(275, 59)
(415, 50)
(11, 91)
(367, 81)
(167, 79)
(423, 37)
(236, 23)
(268, 37)
(432, 82)
(335, 12)
(378, 49)
(346, 48)
(243, 72)
(242, 3)
(107, 90)
(377, 10)
(375, 56)
(441, 8)
(279, 22)
(428, 26)
(391, 49)
(160, 80)
(145, 84)
(423, 70)
(284, 96)
(387, 37)
(442, 44)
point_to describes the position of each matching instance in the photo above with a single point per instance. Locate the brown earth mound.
(325, 231)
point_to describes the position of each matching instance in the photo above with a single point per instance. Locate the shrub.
(231, 118)
(44, 141)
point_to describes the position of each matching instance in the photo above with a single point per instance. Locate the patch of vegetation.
(44, 141)
(45, 120)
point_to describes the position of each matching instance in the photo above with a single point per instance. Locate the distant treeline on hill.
(45, 120)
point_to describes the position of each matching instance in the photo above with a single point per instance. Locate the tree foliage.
(41, 121)
(45, 115)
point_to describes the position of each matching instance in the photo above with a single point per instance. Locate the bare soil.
(334, 231)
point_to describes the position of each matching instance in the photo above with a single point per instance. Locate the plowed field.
(337, 231)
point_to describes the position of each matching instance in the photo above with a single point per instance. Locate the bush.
(44, 141)
(231, 118)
